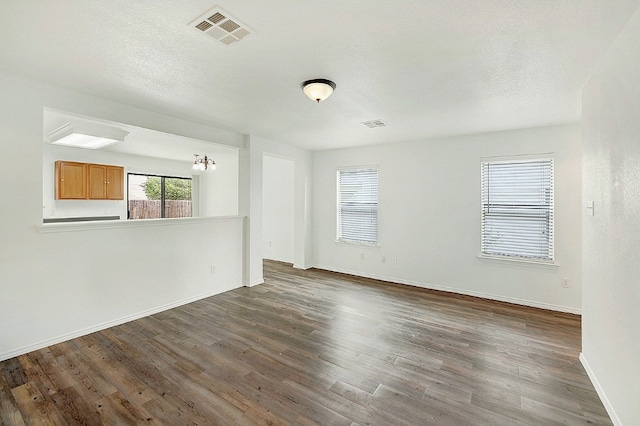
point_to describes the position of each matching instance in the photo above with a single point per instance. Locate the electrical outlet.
(565, 282)
(394, 260)
(213, 269)
(384, 259)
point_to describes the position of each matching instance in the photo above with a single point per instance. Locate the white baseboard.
(303, 267)
(278, 260)
(113, 323)
(295, 265)
(498, 298)
(603, 397)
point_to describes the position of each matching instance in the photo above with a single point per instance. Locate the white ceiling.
(427, 68)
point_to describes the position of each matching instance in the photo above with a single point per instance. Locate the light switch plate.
(590, 208)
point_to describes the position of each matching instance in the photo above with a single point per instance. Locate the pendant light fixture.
(318, 89)
(203, 163)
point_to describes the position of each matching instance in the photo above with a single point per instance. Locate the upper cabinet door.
(71, 180)
(115, 183)
(97, 181)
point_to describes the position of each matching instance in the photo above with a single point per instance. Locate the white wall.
(277, 209)
(250, 203)
(429, 216)
(219, 188)
(611, 237)
(57, 285)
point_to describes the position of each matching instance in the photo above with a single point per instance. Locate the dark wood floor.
(312, 347)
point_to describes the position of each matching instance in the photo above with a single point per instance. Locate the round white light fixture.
(318, 89)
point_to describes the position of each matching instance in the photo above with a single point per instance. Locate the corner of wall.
(603, 397)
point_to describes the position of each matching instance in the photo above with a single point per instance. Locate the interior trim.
(140, 223)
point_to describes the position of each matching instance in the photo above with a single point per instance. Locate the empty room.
(338, 213)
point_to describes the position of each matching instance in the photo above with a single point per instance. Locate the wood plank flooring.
(313, 347)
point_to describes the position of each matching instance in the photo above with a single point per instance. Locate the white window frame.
(369, 196)
(520, 207)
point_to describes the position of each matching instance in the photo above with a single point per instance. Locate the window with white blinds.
(517, 209)
(358, 205)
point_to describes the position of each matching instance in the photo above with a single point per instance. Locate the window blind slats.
(358, 205)
(517, 209)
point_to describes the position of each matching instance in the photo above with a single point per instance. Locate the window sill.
(357, 244)
(523, 262)
(123, 223)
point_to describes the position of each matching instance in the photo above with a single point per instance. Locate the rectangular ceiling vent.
(374, 123)
(220, 25)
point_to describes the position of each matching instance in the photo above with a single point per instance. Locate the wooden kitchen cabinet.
(115, 183)
(71, 180)
(106, 182)
(98, 181)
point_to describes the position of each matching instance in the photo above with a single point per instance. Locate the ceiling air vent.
(374, 123)
(220, 25)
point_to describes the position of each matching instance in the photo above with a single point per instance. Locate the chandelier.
(203, 163)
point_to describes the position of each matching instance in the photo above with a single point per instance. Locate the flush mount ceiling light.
(318, 89)
(203, 163)
(84, 136)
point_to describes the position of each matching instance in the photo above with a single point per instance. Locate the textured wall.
(57, 285)
(278, 209)
(429, 216)
(611, 237)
